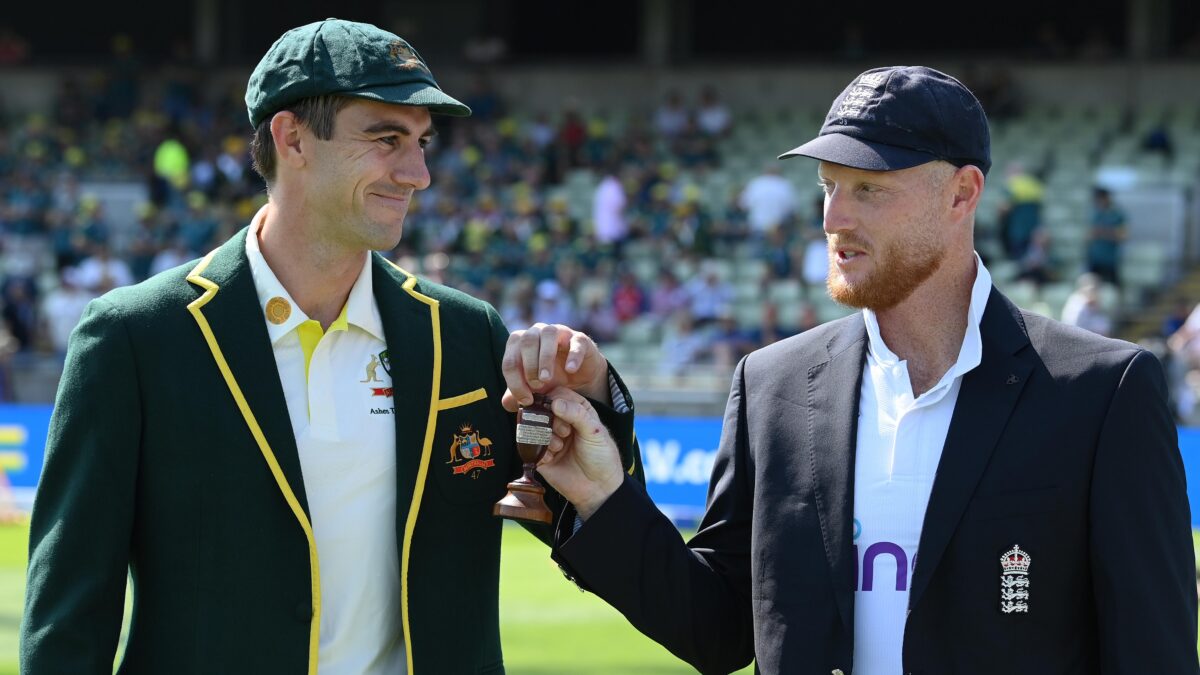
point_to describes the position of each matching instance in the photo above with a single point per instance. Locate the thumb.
(577, 412)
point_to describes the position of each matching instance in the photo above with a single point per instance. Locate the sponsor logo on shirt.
(864, 564)
(469, 452)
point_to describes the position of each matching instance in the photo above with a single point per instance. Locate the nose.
(411, 169)
(838, 216)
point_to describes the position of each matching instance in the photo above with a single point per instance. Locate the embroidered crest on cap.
(856, 100)
(278, 310)
(405, 57)
(1014, 581)
(469, 452)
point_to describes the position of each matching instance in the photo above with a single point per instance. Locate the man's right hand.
(582, 462)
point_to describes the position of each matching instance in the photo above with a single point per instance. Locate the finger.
(531, 344)
(514, 376)
(556, 445)
(578, 350)
(562, 428)
(548, 354)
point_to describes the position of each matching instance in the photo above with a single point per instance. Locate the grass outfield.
(547, 625)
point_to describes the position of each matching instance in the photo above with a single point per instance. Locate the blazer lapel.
(985, 402)
(408, 327)
(229, 312)
(833, 397)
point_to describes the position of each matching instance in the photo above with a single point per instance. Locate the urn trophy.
(524, 499)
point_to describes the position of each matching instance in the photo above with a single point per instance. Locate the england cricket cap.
(348, 59)
(900, 117)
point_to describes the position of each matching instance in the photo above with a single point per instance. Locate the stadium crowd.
(496, 221)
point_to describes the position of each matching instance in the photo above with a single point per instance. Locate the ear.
(967, 187)
(287, 134)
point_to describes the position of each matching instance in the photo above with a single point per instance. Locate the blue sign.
(22, 448)
(678, 455)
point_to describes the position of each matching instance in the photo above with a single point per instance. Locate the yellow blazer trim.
(210, 291)
(462, 399)
(414, 508)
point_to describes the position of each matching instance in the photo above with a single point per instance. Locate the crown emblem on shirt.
(1015, 561)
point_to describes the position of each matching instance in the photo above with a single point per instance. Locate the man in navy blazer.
(943, 483)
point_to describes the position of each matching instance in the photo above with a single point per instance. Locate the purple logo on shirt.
(866, 580)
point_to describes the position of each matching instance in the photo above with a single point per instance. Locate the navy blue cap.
(900, 117)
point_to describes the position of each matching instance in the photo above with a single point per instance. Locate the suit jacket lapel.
(833, 391)
(408, 327)
(985, 401)
(240, 334)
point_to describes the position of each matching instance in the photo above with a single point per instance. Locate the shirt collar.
(360, 309)
(971, 352)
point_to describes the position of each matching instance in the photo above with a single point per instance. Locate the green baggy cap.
(345, 58)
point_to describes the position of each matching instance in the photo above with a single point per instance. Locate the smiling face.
(361, 181)
(884, 231)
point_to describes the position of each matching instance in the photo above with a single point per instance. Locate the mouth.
(845, 255)
(393, 201)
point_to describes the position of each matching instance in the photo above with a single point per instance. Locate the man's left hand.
(546, 356)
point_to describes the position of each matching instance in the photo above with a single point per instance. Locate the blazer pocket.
(1015, 504)
(471, 449)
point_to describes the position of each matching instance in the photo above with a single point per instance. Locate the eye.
(389, 140)
(825, 186)
(424, 142)
(868, 188)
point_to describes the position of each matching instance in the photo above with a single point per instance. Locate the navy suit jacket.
(1061, 442)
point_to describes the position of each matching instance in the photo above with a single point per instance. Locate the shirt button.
(304, 612)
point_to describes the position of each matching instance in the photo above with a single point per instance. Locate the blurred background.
(618, 175)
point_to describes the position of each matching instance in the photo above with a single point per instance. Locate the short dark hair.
(317, 113)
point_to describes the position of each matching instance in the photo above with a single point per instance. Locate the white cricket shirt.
(339, 397)
(900, 442)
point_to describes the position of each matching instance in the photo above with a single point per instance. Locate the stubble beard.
(899, 270)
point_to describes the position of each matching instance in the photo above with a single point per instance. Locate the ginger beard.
(898, 267)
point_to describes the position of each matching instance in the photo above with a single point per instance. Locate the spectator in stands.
(671, 118)
(1105, 235)
(1083, 307)
(628, 298)
(1021, 214)
(553, 304)
(668, 296)
(1034, 265)
(769, 200)
(730, 342)
(101, 272)
(61, 309)
(21, 311)
(713, 116)
(769, 330)
(608, 209)
(683, 345)
(776, 252)
(1176, 318)
(600, 321)
(709, 296)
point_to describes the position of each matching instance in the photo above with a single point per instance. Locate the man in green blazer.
(292, 446)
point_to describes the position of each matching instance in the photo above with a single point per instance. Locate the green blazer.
(171, 459)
